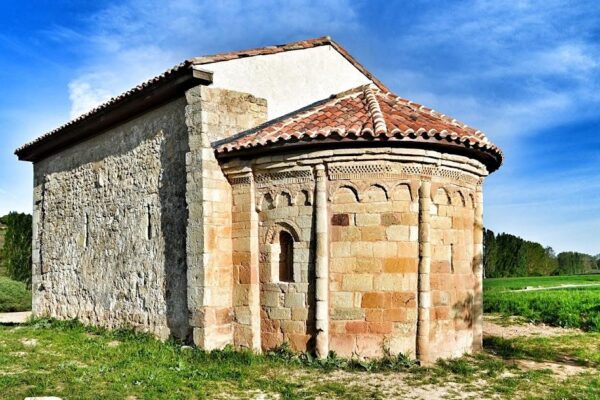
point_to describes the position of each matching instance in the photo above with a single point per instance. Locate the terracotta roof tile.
(366, 112)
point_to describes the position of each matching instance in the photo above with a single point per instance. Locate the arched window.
(286, 257)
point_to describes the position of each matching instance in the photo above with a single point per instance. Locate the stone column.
(322, 263)
(424, 289)
(478, 271)
(246, 291)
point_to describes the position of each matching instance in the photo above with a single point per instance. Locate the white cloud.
(135, 40)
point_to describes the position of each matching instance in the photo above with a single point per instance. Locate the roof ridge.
(375, 110)
(227, 55)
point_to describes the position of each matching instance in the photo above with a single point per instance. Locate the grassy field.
(74, 362)
(576, 307)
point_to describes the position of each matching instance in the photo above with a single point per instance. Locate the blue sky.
(525, 72)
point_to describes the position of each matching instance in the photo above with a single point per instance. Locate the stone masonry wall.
(109, 227)
(212, 114)
(453, 281)
(287, 308)
(373, 264)
(394, 226)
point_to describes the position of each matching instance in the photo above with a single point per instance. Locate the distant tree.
(506, 255)
(490, 253)
(16, 252)
(571, 262)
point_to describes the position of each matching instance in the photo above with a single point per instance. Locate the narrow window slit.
(286, 257)
(86, 236)
(148, 222)
(452, 257)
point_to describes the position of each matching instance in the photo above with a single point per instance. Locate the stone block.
(340, 220)
(356, 327)
(362, 249)
(357, 282)
(293, 326)
(376, 300)
(381, 328)
(340, 249)
(299, 341)
(394, 315)
(398, 233)
(299, 314)
(372, 233)
(368, 264)
(400, 265)
(404, 299)
(388, 282)
(369, 345)
(368, 220)
(342, 299)
(385, 249)
(295, 300)
(373, 315)
(342, 265)
(347, 314)
(279, 313)
(343, 345)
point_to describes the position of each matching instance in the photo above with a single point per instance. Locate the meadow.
(69, 360)
(565, 301)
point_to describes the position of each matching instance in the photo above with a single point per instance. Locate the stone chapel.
(254, 198)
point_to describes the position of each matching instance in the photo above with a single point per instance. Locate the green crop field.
(567, 301)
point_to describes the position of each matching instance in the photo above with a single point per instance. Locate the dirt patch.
(112, 344)
(29, 342)
(561, 371)
(564, 286)
(396, 386)
(498, 326)
(14, 317)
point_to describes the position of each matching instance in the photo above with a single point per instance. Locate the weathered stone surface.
(110, 242)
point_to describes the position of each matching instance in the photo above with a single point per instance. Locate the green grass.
(570, 307)
(578, 349)
(14, 296)
(68, 360)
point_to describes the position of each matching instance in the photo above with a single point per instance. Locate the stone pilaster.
(37, 286)
(322, 263)
(478, 271)
(424, 287)
(212, 115)
(246, 295)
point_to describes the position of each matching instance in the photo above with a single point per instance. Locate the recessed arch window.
(286, 257)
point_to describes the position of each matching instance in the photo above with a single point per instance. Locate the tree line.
(506, 255)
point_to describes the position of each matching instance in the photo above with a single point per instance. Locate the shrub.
(16, 252)
(14, 296)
